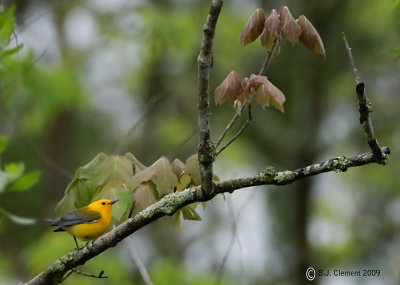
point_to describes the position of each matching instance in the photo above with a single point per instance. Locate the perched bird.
(86, 223)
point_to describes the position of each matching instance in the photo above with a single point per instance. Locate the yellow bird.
(86, 223)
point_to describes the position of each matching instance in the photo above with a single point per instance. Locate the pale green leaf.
(90, 181)
(7, 25)
(164, 178)
(14, 170)
(192, 168)
(145, 195)
(17, 219)
(189, 212)
(11, 51)
(26, 181)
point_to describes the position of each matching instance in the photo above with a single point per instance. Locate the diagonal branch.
(365, 108)
(169, 204)
(205, 61)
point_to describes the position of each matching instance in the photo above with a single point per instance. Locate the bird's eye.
(103, 203)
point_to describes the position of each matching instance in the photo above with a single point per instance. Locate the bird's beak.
(113, 201)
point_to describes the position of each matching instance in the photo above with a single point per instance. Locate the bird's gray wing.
(75, 218)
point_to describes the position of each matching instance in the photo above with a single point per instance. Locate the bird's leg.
(77, 246)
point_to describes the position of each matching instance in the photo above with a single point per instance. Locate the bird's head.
(102, 206)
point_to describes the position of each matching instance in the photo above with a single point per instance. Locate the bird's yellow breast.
(89, 231)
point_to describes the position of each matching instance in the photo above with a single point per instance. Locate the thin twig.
(221, 268)
(234, 137)
(229, 126)
(29, 22)
(232, 241)
(99, 276)
(269, 55)
(246, 103)
(365, 108)
(138, 262)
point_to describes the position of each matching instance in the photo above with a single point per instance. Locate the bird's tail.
(54, 221)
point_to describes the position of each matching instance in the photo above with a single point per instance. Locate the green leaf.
(184, 181)
(142, 176)
(3, 143)
(189, 212)
(164, 178)
(102, 176)
(11, 51)
(116, 190)
(192, 168)
(7, 25)
(14, 170)
(175, 219)
(103, 169)
(145, 195)
(77, 194)
(17, 219)
(26, 181)
(122, 209)
(136, 164)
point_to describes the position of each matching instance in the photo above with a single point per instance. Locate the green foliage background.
(65, 99)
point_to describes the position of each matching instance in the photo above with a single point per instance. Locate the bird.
(86, 223)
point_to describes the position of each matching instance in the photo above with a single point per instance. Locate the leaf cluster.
(135, 185)
(257, 87)
(14, 178)
(276, 26)
(12, 174)
(270, 30)
(7, 26)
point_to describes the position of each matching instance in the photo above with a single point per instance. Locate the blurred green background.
(121, 76)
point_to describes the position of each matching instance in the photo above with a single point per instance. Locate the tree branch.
(365, 108)
(205, 61)
(169, 204)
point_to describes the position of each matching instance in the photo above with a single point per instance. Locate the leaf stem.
(269, 55)
(246, 103)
